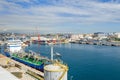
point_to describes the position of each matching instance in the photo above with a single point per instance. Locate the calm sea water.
(86, 62)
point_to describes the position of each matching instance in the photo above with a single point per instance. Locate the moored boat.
(14, 50)
(31, 60)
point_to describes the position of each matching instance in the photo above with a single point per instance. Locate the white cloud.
(62, 12)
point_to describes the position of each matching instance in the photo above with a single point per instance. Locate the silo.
(55, 71)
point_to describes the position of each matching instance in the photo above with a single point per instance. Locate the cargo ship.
(13, 49)
(34, 61)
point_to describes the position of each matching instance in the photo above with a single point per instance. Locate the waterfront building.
(100, 35)
(117, 35)
(76, 37)
(88, 36)
(41, 38)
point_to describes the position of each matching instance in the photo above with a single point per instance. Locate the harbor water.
(86, 62)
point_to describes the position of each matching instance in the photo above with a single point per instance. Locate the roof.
(5, 75)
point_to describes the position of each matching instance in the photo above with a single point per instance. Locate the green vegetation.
(117, 39)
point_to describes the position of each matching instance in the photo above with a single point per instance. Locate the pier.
(105, 43)
(21, 71)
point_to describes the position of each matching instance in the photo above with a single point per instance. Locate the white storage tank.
(55, 71)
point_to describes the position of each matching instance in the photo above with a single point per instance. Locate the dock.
(105, 43)
(25, 72)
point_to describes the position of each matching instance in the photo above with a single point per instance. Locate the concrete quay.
(105, 43)
(21, 71)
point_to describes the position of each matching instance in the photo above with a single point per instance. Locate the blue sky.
(60, 16)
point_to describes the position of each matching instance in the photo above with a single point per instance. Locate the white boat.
(57, 54)
(13, 45)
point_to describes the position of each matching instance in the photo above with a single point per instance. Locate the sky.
(60, 16)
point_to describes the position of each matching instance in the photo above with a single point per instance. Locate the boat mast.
(52, 52)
